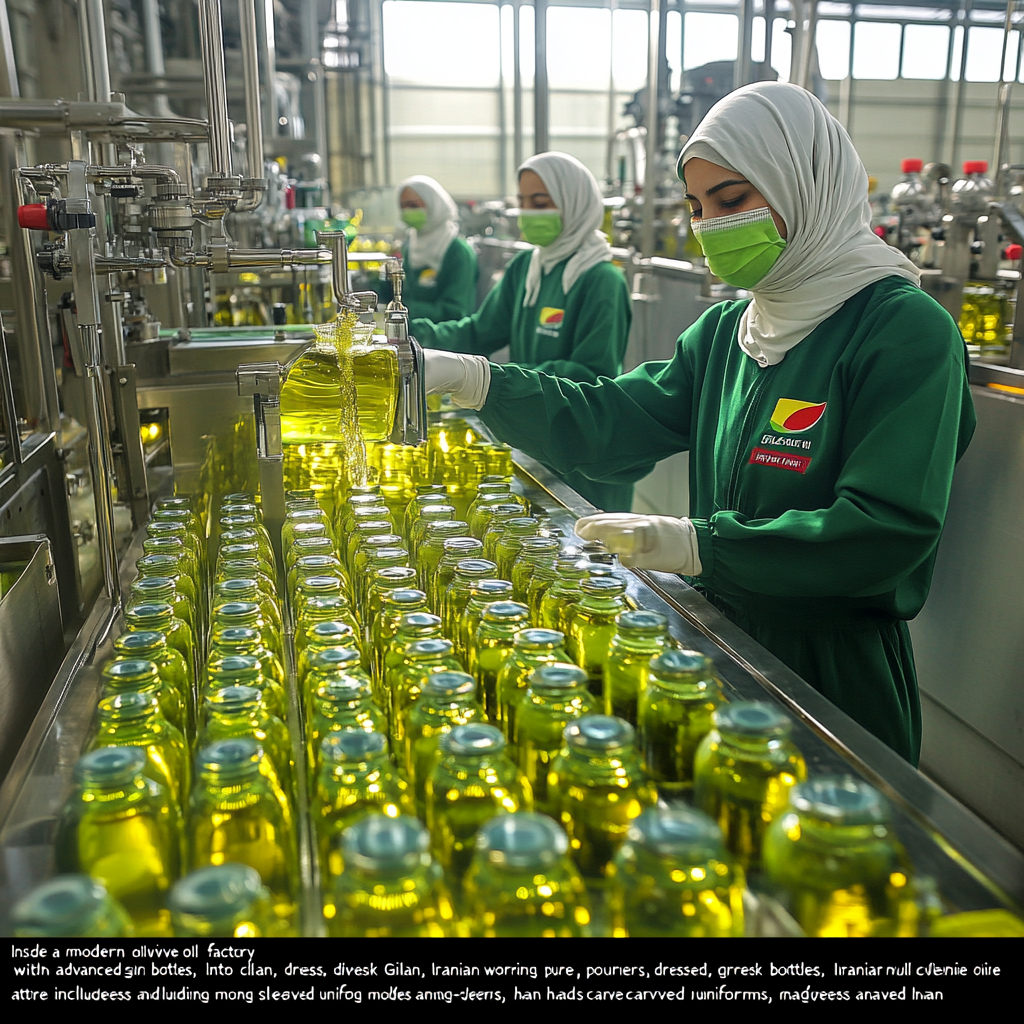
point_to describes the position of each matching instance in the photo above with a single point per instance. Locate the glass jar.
(640, 636)
(430, 551)
(673, 878)
(149, 645)
(601, 788)
(438, 513)
(473, 779)
(319, 637)
(494, 642)
(234, 712)
(522, 884)
(236, 817)
(556, 604)
(674, 715)
(593, 625)
(137, 674)
(148, 589)
(119, 827)
(835, 856)
(390, 885)
(245, 642)
(383, 581)
(481, 594)
(412, 627)
(447, 699)
(134, 719)
(394, 604)
(246, 615)
(498, 518)
(356, 779)
(743, 772)
(422, 659)
(248, 590)
(556, 694)
(456, 596)
(76, 906)
(510, 543)
(532, 649)
(374, 523)
(245, 670)
(535, 554)
(226, 901)
(455, 549)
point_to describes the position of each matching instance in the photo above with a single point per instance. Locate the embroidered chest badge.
(428, 278)
(794, 417)
(550, 321)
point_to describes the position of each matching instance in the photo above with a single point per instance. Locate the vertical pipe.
(311, 38)
(268, 56)
(94, 50)
(541, 112)
(211, 39)
(1002, 130)
(502, 119)
(807, 44)
(742, 68)
(385, 101)
(961, 85)
(769, 30)
(8, 67)
(155, 53)
(651, 168)
(609, 158)
(517, 88)
(251, 77)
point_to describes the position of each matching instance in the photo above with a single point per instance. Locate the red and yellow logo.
(549, 316)
(793, 417)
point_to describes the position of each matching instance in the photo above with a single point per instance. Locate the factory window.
(782, 46)
(833, 42)
(924, 51)
(709, 37)
(441, 43)
(984, 48)
(579, 47)
(876, 50)
(674, 47)
(629, 49)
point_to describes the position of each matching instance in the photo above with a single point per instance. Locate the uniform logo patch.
(428, 278)
(551, 317)
(779, 460)
(794, 417)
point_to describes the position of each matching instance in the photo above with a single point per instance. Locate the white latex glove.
(465, 378)
(663, 543)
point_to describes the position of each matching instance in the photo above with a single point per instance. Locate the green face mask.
(415, 217)
(540, 227)
(740, 248)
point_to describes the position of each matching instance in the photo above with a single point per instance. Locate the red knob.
(33, 217)
(1014, 251)
(880, 231)
(975, 166)
(911, 164)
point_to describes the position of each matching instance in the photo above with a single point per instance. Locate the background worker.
(562, 308)
(440, 266)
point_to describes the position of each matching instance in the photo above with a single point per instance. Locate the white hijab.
(784, 141)
(575, 192)
(427, 248)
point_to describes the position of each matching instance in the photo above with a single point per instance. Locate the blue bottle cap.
(522, 840)
(473, 741)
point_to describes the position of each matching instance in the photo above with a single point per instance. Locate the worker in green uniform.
(440, 266)
(562, 308)
(823, 416)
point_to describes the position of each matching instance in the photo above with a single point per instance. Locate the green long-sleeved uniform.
(581, 336)
(447, 294)
(818, 486)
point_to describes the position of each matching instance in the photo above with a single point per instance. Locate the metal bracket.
(263, 382)
(129, 458)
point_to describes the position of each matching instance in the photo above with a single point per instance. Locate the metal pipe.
(312, 35)
(155, 53)
(742, 73)
(8, 67)
(211, 40)
(961, 85)
(268, 54)
(517, 88)
(769, 30)
(807, 44)
(609, 156)
(100, 465)
(254, 259)
(541, 112)
(251, 76)
(1002, 132)
(94, 50)
(651, 141)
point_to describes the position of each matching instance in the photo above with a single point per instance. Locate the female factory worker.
(440, 267)
(823, 417)
(562, 308)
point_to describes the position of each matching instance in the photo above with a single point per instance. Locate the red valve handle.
(33, 216)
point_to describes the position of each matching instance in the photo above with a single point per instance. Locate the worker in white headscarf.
(562, 308)
(823, 415)
(440, 267)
